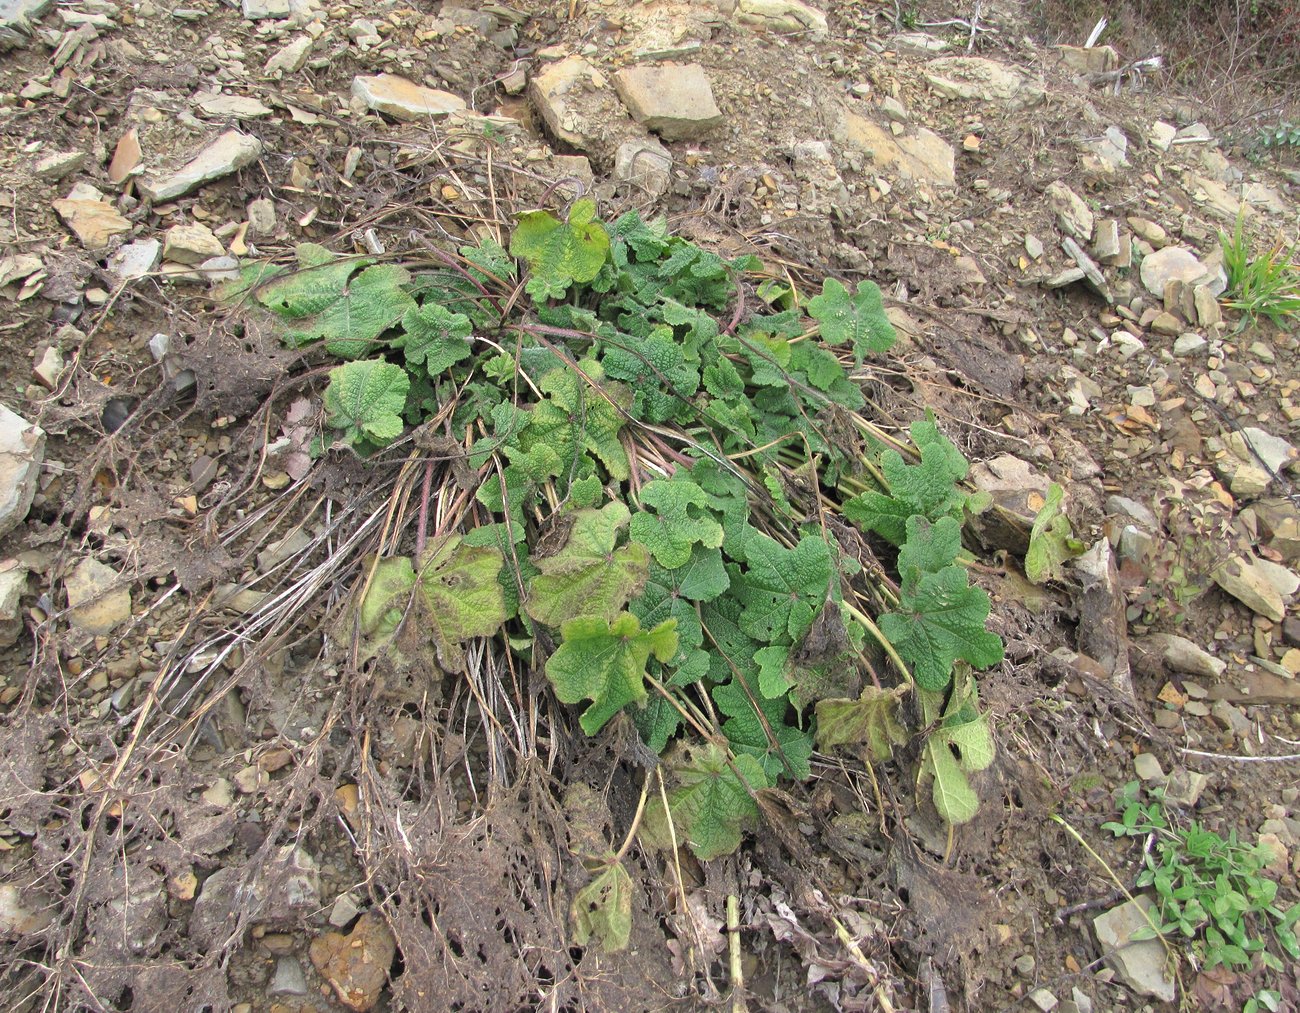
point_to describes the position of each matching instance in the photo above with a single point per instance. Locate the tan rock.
(191, 244)
(783, 17)
(94, 222)
(920, 154)
(356, 965)
(1245, 581)
(404, 100)
(96, 604)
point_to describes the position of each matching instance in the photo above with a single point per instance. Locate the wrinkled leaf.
(573, 419)
(756, 725)
(673, 518)
(452, 596)
(606, 663)
(782, 589)
(710, 803)
(435, 338)
(857, 319)
(927, 489)
(365, 399)
(941, 622)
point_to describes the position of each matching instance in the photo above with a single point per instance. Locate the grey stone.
(1091, 271)
(96, 602)
(22, 450)
(229, 153)
(783, 16)
(1044, 1000)
(645, 164)
(1034, 247)
(1105, 240)
(1253, 442)
(289, 58)
(916, 44)
(1147, 767)
(288, 978)
(58, 164)
(1182, 655)
(135, 260)
(823, 191)
(344, 910)
(563, 94)
(261, 216)
(1185, 787)
(893, 109)
(1142, 964)
(1208, 311)
(262, 10)
(1232, 718)
(1161, 135)
(240, 107)
(403, 99)
(1189, 344)
(673, 100)
(1173, 263)
(1072, 213)
(974, 78)
(16, 20)
(1131, 508)
(289, 890)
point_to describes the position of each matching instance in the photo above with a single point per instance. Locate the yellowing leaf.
(589, 576)
(452, 596)
(713, 798)
(560, 254)
(871, 721)
(605, 663)
(602, 910)
(1051, 542)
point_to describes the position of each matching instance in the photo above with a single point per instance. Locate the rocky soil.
(203, 807)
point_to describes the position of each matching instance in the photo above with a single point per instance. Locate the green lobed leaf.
(676, 520)
(385, 604)
(602, 910)
(782, 589)
(572, 420)
(326, 299)
(711, 801)
(657, 369)
(941, 622)
(858, 319)
(872, 720)
(435, 338)
(929, 548)
(559, 254)
(589, 576)
(756, 726)
(365, 399)
(605, 663)
(1052, 541)
(928, 488)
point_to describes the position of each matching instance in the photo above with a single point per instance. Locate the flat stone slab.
(919, 154)
(1141, 964)
(1173, 263)
(404, 100)
(673, 100)
(229, 153)
(22, 449)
